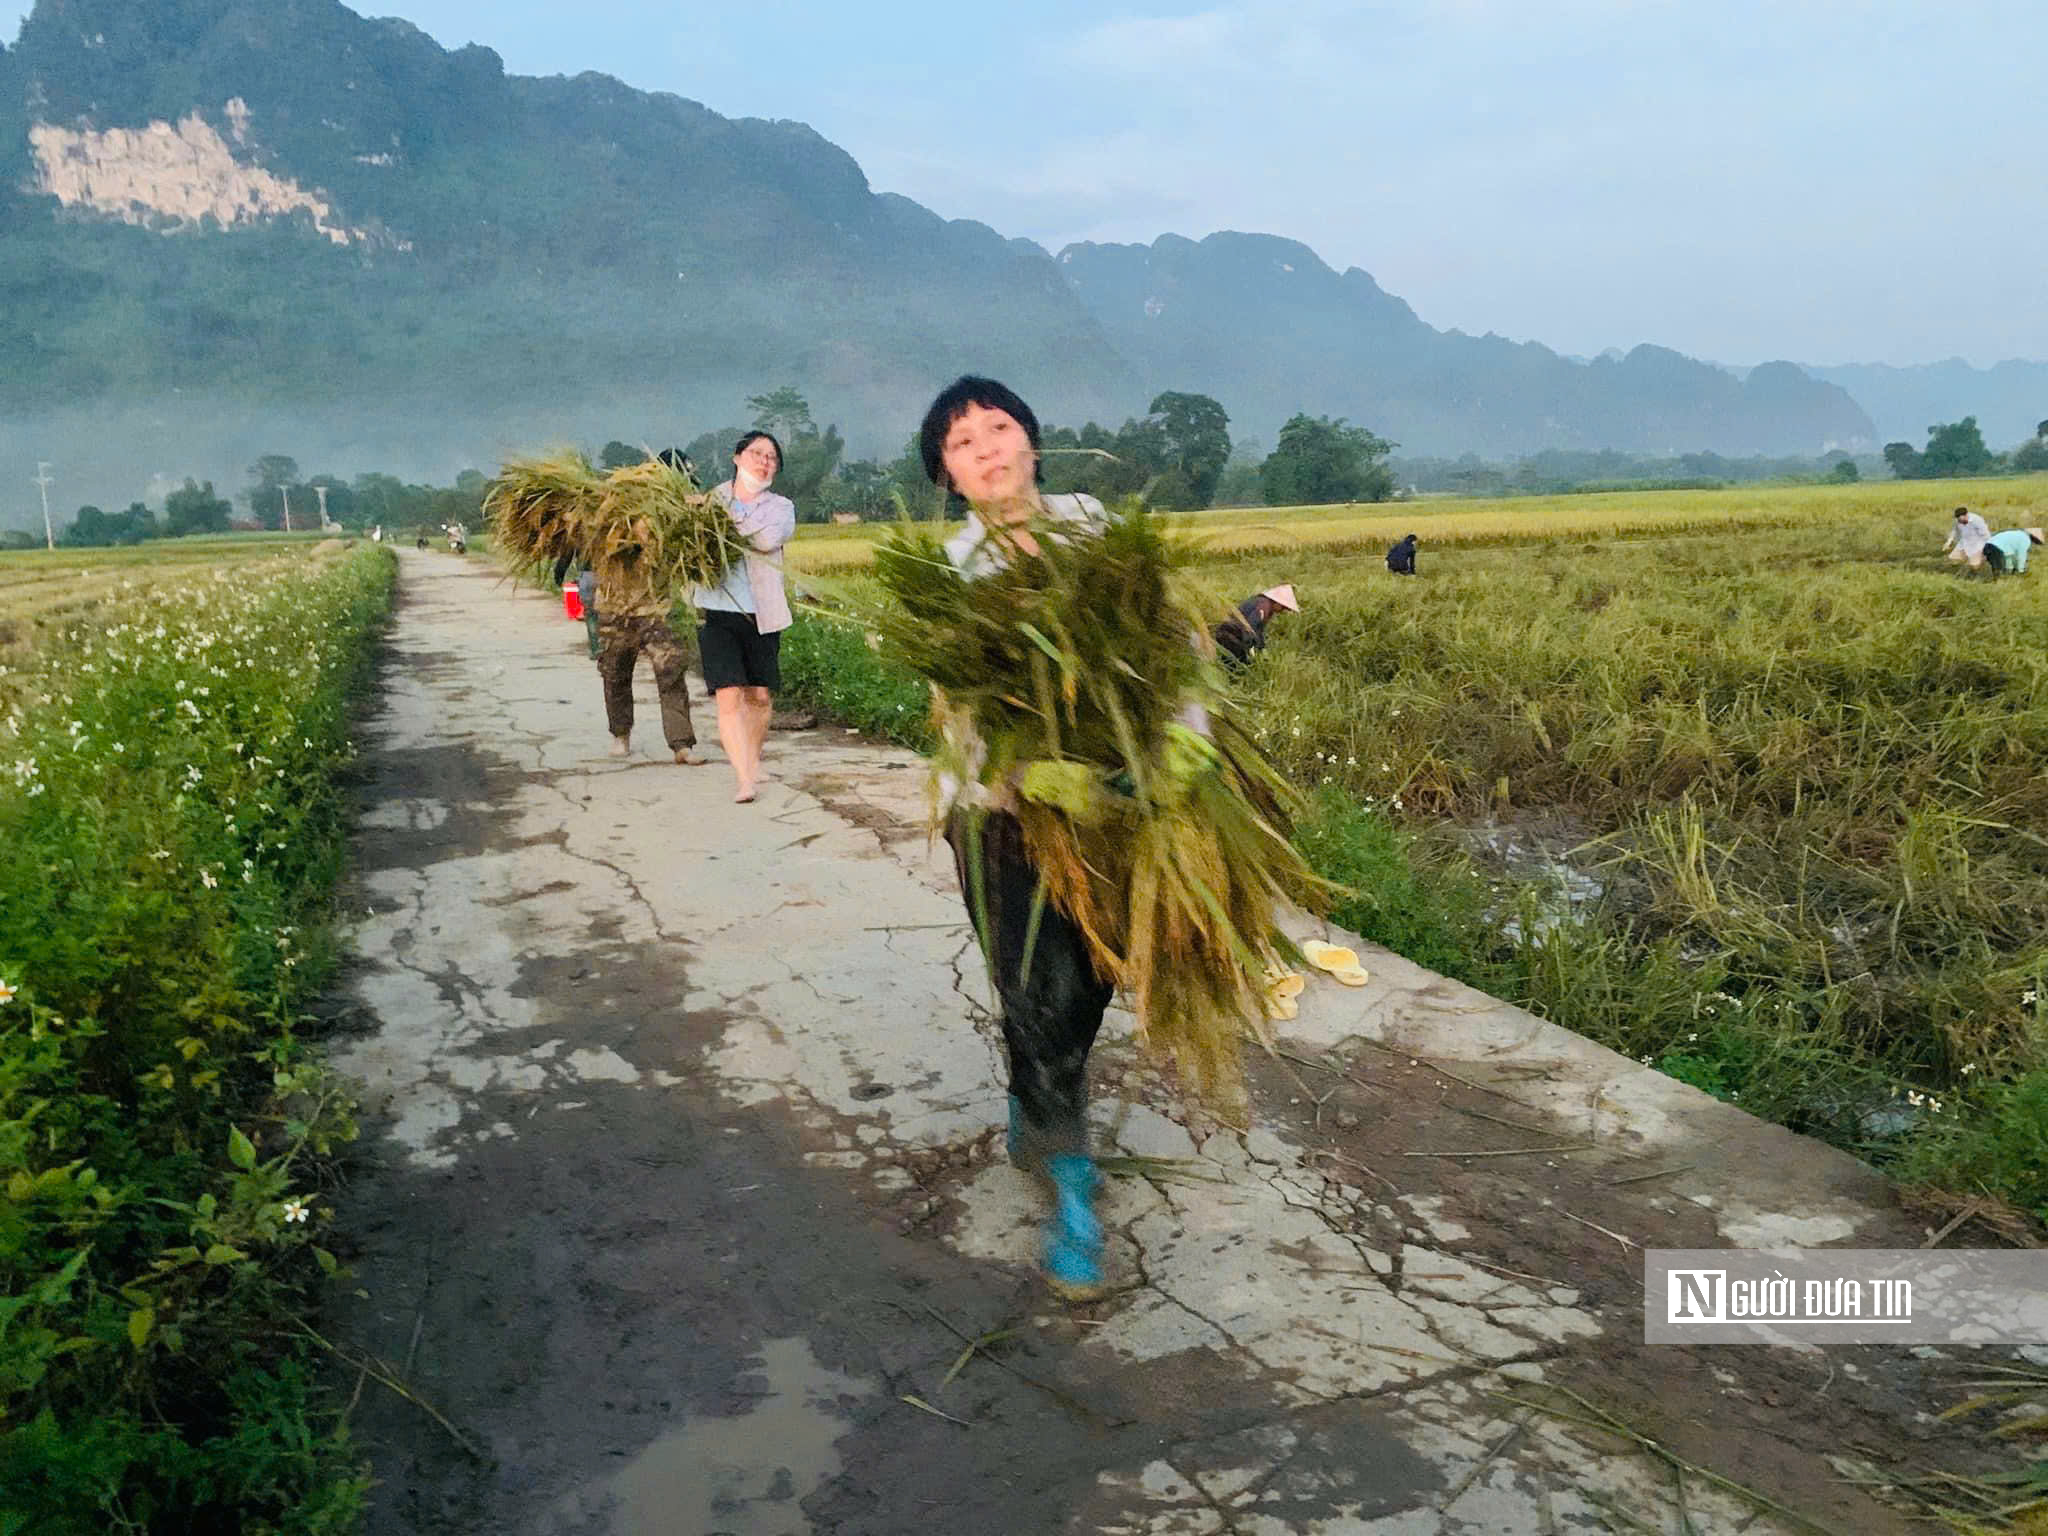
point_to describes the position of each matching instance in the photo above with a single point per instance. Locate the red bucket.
(572, 600)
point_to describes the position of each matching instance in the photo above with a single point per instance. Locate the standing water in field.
(1537, 859)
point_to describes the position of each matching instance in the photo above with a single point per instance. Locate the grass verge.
(174, 824)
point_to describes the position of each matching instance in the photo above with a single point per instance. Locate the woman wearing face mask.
(740, 638)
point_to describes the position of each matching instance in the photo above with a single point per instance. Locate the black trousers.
(1052, 1008)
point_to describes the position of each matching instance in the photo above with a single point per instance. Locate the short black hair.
(755, 436)
(969, 389)
(1962, 511)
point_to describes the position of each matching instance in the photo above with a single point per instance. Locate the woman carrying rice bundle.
(1110, 830)
(739, 641)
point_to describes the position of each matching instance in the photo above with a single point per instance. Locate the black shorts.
(735, 654)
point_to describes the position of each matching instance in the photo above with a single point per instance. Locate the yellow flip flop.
(1351, 975)
(1329, 957)
(1285, 984)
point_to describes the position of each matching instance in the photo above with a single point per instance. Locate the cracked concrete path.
(681, 1199)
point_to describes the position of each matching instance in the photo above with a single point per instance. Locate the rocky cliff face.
(172, 176)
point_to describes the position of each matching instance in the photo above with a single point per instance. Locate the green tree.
(1100, 463)
(1844, 472)
(807, 459)
(1318, 461)
(782, 411)
(861, 487)
(808, 455)
(275, 469)
(195, 509)
(1195, 435)
(907, 486)
(1904, 460)
(618, 455)
(273, 486)
(711, 452)
(88, 530)
(382, 498)
(1238, 486)
(341, 501)
(2031, 456)
(1956, 448)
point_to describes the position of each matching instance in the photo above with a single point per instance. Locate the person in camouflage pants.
(632, 622)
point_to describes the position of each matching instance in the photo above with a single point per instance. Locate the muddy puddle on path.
(744, 1476)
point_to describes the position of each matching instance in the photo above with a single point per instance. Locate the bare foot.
(743, 794)
(689, 759)
(622, 747)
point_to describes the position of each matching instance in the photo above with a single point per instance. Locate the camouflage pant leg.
(620, 643)
(665, 653)
(617, 650)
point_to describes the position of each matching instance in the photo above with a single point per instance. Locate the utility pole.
(286, 492)
(321, 492)
(42, 481)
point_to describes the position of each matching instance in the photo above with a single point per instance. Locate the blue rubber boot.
(1073, 1235)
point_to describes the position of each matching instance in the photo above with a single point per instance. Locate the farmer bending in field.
(1242, 636)
(1966, 540)
(2008, 551)
(1401, 558)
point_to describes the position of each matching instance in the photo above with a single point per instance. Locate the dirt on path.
(681, 1205)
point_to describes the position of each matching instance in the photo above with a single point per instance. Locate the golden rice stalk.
(540, 508)
(654, 522)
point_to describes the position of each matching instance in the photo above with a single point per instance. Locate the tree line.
(1178, 456)
(1957, 448)
(276, 493)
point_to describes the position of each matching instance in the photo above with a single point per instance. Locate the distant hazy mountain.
(230, 227)
(2009, 400)
(1274, 330)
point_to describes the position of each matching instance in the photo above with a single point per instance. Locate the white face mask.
(748, 484)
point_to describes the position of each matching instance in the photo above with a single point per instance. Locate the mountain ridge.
(570, 257)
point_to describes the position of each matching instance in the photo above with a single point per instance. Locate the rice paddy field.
(1748, 784)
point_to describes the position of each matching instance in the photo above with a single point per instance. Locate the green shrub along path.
(170, 763)
(1789, 778)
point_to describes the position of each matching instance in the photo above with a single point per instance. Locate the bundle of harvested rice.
(540, 509)
(653, 518)
(644, 525)
(1076, 683)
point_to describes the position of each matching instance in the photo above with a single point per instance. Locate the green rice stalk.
(1170, 851)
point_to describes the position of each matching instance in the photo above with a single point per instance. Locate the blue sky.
(1826, 180)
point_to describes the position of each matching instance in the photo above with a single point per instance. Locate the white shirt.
(976, 554)
(1970, 535)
